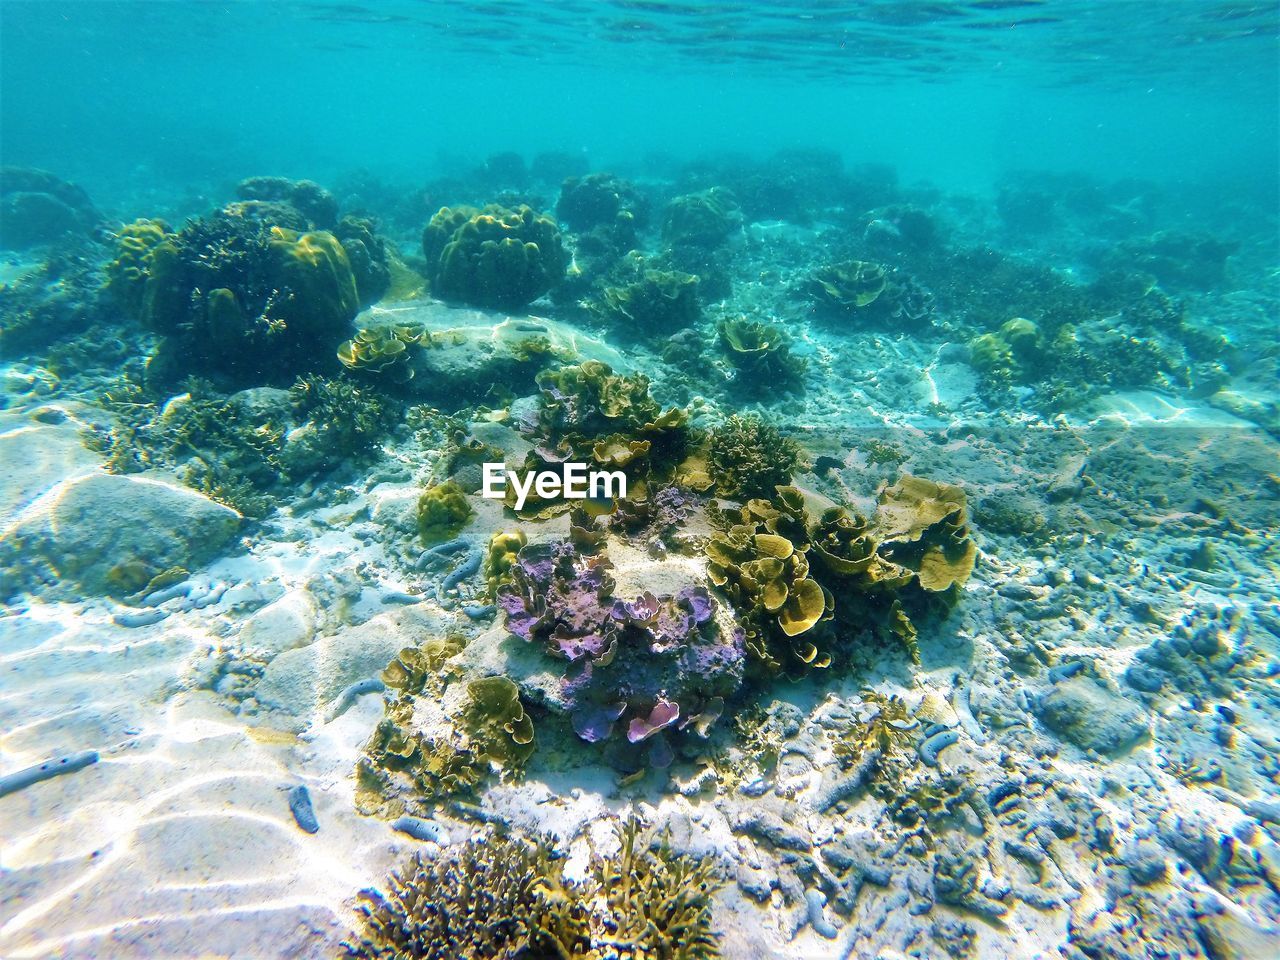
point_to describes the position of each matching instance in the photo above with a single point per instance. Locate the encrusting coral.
(652, 666)
(493, 257)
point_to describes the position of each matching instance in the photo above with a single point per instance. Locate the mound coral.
(239, 295)
(749, 457)
(655, 667)
(311, 200)
(128, 271)
(495, 257)
(442, 511)
(367, 253)
(37, 207)
(761, 356)
(500, 557)
(704, 220)
(602, 200)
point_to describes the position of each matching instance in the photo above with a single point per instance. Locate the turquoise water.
(925, 361)
(957, 93)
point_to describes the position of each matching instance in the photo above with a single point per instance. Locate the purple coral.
(657, 663)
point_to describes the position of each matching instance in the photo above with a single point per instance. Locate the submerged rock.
(1089, 715)
(112, 534)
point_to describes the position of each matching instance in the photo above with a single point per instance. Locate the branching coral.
(501, 897)
(493, 257)
(505, 897)
(749, 457)
(658, 903)
(653, 666)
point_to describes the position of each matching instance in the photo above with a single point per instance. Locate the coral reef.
(493, 257)
(236, 295)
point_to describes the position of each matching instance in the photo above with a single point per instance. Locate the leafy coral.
(384, 350)
(474, 730)
(786, 573)
(589, 413)
(493, 257)
(641, 300)
(869, 291)
(761, 356)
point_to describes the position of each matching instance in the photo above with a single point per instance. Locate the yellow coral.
(442, 511)
(128, 271)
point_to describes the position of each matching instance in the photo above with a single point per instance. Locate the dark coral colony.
(834, 654)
